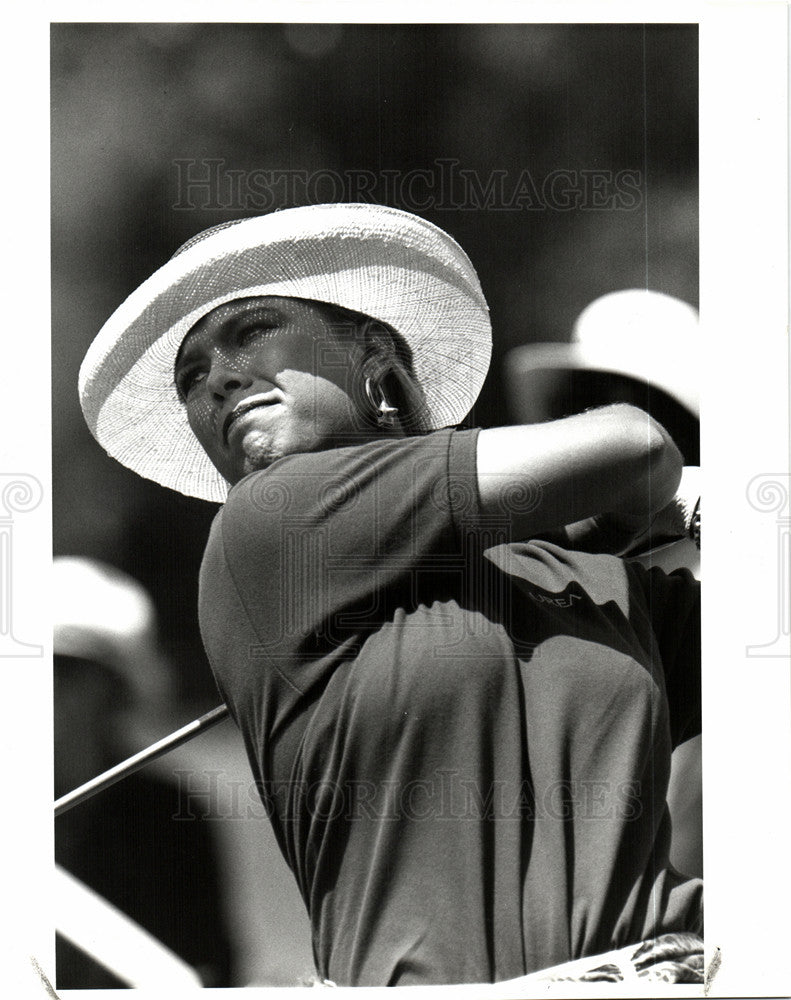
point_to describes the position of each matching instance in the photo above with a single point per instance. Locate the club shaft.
(138, 760)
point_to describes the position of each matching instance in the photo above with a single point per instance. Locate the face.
(266, 377)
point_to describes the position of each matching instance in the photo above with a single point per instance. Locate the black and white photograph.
(393, 368)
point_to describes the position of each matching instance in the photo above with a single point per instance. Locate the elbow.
(656, 459)
(664, 464)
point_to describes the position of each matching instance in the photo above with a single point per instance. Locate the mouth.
(246, 405)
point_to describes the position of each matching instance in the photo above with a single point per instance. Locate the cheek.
(321, 399)
(200, 416)
(324, 359)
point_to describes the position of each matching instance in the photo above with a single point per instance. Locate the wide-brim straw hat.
(383, 262)
(642, 334)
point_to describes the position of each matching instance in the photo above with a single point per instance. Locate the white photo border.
(745, 435)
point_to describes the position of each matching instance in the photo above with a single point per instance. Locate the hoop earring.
(385, 414)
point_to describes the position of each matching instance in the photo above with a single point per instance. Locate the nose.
(224, 379)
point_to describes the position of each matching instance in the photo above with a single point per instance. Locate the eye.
(252, 331)
(188, 379)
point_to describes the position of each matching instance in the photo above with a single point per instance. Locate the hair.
(387, 362)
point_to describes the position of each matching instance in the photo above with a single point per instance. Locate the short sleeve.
(322, 546)
(672, 602)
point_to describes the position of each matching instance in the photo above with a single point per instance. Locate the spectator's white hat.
(385, 263)
(102, 615)
(642, 334)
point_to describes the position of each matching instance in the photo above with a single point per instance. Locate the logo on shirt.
(556, 602)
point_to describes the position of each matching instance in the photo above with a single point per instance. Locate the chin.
(260, 450)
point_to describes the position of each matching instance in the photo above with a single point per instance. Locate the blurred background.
(563, 158)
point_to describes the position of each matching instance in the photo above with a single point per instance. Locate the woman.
(461, 730)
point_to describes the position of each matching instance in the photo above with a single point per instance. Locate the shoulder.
(394, 489)
(303, 479)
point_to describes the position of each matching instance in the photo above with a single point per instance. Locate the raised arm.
(615, 464)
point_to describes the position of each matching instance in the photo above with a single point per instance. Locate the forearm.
(630, 535)
(644, 477)
(615, 460)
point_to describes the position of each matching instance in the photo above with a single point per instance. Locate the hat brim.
(535, 373)
(382, 262)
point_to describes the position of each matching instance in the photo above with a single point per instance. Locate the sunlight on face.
(266, 377)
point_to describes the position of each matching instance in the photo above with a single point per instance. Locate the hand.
(679, 519)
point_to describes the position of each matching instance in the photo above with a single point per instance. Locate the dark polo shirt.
(463, 741)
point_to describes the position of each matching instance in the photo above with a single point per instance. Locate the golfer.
(460, 728)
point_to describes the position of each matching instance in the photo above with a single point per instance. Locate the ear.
(385, 415)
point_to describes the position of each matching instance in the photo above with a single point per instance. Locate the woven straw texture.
(388, 264)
